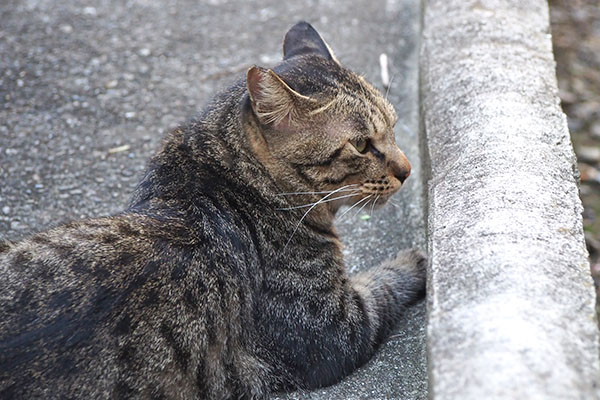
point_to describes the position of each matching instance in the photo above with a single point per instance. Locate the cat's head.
(321, 127)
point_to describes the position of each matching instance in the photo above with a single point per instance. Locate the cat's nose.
(402, 174)
(400, 168)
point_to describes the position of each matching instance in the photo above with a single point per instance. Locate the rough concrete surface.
(511, 300)
(88, 88)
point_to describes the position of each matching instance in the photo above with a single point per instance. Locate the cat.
(224, 276)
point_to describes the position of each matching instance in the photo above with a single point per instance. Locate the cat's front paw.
(412, 263)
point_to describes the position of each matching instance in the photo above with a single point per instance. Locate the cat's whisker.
(326, 201)
(405, 127)
(311, 208)
(374, 202)
(360, 209)
(323, 192)
(394, 205)
(387, 91)
(354, 205)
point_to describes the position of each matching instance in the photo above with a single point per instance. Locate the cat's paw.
(412, 260)
(412, 263)
(405, 276)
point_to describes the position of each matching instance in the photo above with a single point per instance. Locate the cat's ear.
(301, 39)
(272, 100)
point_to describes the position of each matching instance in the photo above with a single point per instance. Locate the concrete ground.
(87, 90)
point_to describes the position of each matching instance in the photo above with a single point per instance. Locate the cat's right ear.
(273, 101)
(302, 39)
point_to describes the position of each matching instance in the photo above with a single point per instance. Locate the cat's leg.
(323, 335)
(389, 288)
(380, 295)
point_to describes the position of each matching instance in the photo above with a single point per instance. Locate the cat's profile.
(224, 277)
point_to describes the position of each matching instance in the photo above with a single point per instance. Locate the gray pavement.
(87, 90)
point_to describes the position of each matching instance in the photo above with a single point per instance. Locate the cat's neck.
(218, 152)
(298, 194)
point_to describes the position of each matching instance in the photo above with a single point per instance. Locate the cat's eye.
(360, 145)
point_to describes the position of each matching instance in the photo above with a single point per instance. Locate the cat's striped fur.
(215, 282)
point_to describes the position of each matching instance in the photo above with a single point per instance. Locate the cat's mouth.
(383, 185)
(382, 188)
(370, 195)
(379, 197)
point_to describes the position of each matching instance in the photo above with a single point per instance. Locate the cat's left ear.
(273, 101)
(302, 39)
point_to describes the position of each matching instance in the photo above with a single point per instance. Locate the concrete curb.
(510, 297)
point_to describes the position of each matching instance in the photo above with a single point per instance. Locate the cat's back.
(62, 266)
(68, 296)
(82, 304)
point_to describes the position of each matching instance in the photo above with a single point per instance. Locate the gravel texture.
(88, 89)
(576, 41)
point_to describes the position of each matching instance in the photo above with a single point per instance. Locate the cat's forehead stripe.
(378, 102)
(369, 104)
(362, 109)
(383, 107)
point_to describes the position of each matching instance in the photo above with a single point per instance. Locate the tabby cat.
(224, 277)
